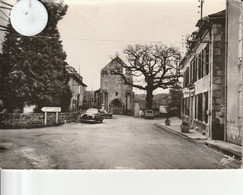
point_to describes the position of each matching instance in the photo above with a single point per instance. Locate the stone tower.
(114, 95)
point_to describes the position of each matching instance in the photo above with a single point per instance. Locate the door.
(116, 107)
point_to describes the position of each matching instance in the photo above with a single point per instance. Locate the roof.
(115, 60)
(215, 16)
(203, 25)
(73, 73)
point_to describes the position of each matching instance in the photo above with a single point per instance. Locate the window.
(206, 107)
(191, 73)
(186, 77)
(116, 93)
(184, 80)
(200, 66)
(182, 106)
(200, 107)
(196, 110)
(191, 106)
(194, 70)
(207, 59)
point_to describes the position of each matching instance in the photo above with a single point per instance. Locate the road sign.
(51, 109)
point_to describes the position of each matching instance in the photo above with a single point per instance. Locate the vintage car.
(149, 114)
(92, 114)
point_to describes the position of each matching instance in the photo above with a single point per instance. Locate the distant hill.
(161, 99)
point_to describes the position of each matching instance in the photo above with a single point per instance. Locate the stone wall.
(234, 133)
(218, 81)
(33, 120)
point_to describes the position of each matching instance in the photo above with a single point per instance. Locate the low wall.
(201, 127)
(234, 134)
(33, 120)
(197, 125)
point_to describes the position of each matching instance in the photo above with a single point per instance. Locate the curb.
(175, 132)
(217, 147)
(225, 150)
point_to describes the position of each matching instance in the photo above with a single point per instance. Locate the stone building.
(212, 91)
(234, 73)
(88, 99)
(204, 70)
(77, 88)
(114, 95)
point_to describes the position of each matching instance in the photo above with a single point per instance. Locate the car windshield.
(92, 111)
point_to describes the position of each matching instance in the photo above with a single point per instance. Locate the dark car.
(149, 114)
(92, 114)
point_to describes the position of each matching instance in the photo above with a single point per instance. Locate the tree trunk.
(149, 99)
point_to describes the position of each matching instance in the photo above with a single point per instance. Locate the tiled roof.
(73, 73)
(116, 59)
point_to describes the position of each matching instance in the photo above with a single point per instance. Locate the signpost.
(51, 109)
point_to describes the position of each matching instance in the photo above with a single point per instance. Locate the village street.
(119, 143)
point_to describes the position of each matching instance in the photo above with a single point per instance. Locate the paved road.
(119, 143)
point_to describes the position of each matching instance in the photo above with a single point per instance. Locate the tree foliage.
(155, 66)
(174, 106)
(33, 69)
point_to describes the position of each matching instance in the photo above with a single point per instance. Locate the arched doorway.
(116, 106)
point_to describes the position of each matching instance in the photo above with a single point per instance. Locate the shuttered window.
(207, 59)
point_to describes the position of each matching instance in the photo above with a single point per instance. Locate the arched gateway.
(116, 106)
(115, 96)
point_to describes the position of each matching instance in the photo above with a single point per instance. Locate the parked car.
(106, 114)
(149, 114)
(92, 114)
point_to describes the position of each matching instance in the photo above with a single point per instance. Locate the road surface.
(119, 143)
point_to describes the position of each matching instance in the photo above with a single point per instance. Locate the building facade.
(114, 95)
(88, 99)
(77, 88)
(203, 85)
(212, 86)
(234, 73)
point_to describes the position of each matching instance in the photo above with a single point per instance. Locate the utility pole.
(201, 8)
(202, 1)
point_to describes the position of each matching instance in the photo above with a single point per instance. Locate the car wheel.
(101, 121)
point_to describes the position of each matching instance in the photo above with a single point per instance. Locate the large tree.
(155, 66)
(174, 106)
(33, 69)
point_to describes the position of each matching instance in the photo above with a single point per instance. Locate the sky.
(94, 31)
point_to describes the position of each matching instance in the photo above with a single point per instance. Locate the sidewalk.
(225, 147)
